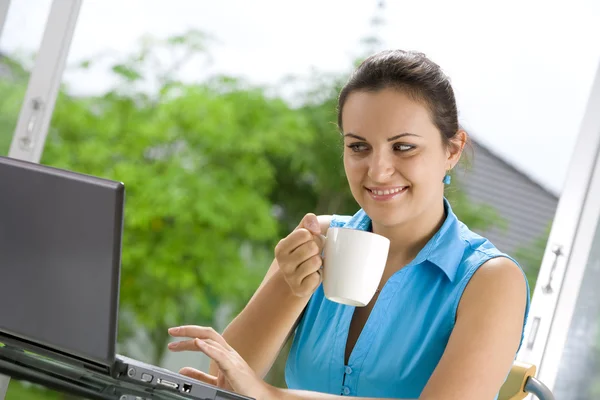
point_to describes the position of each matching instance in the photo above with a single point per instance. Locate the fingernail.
(172, 345)
(174, 330)
(314, 226)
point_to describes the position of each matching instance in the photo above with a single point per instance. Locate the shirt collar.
(445, 249)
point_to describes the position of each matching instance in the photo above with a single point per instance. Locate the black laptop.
(60, 263)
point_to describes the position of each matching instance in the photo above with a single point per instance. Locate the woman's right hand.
(299, 256)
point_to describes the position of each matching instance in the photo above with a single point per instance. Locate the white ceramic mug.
(353, 265)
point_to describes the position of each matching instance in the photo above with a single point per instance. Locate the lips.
(381, 192)
(386, 193)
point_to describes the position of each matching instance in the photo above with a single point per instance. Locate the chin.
(386, 214)
(387, 218)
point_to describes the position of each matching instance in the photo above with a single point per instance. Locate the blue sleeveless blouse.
(408, 328)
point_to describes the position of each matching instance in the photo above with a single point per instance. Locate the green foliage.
(196, 163)
(479, 217)
(11, 99)
(314, 179)
(13, 82)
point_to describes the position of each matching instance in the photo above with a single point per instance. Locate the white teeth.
(386, 192)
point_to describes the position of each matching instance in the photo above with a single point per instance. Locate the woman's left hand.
(234, 373)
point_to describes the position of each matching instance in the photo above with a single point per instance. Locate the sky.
(522, 69)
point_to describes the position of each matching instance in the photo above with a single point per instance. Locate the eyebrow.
(389, 139)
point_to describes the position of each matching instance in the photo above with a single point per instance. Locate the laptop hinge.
(14, 345)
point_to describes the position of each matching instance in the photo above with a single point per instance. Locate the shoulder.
(488, 330)
(474, 240)
(499, 283)
(486, 271)
(480, 252)
(500, 271)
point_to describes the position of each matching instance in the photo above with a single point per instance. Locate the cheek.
(423, 172)
(353, 168)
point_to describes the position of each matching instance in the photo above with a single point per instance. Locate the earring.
(447, 179)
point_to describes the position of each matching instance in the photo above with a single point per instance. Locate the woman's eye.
(404, 147)
(357, 147)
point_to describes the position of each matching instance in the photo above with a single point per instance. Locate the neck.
(408, 238)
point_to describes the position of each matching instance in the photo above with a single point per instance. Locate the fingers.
(311, 223)
(200, 332)
(320, 241)
(309, 275)
(298, 256)
(305, 245)
(226, 358)
(199, 375)
(184, 345)
(309, 284)
(301, 255)
(218, 354)
(306, 230)
(313, 264)
(309, 249)
(291, 242)
(193, 345)
(234, 373)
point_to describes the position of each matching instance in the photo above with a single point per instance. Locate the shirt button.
(346, 390)
(348, 370)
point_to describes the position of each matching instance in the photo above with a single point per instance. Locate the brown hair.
(414, 74)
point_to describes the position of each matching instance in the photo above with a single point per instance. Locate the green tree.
(13, 82)
(196, 163)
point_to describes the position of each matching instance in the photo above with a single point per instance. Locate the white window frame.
(4, 6)
(44, 82)
(567, 250)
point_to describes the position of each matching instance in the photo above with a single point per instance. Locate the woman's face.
(394, 156)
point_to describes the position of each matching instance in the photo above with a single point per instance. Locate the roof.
(477, 141)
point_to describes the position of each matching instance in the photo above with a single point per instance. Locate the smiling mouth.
(387, 192)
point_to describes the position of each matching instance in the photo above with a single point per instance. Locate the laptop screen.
(60, 237)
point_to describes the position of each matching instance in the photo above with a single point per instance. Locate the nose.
(381, 166)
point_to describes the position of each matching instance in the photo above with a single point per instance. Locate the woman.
(448, 318)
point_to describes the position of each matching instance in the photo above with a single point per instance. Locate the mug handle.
(324, 239)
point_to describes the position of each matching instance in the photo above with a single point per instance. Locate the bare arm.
(486, 337)
(259, 332)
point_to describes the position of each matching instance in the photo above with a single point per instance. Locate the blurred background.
(219, 117)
